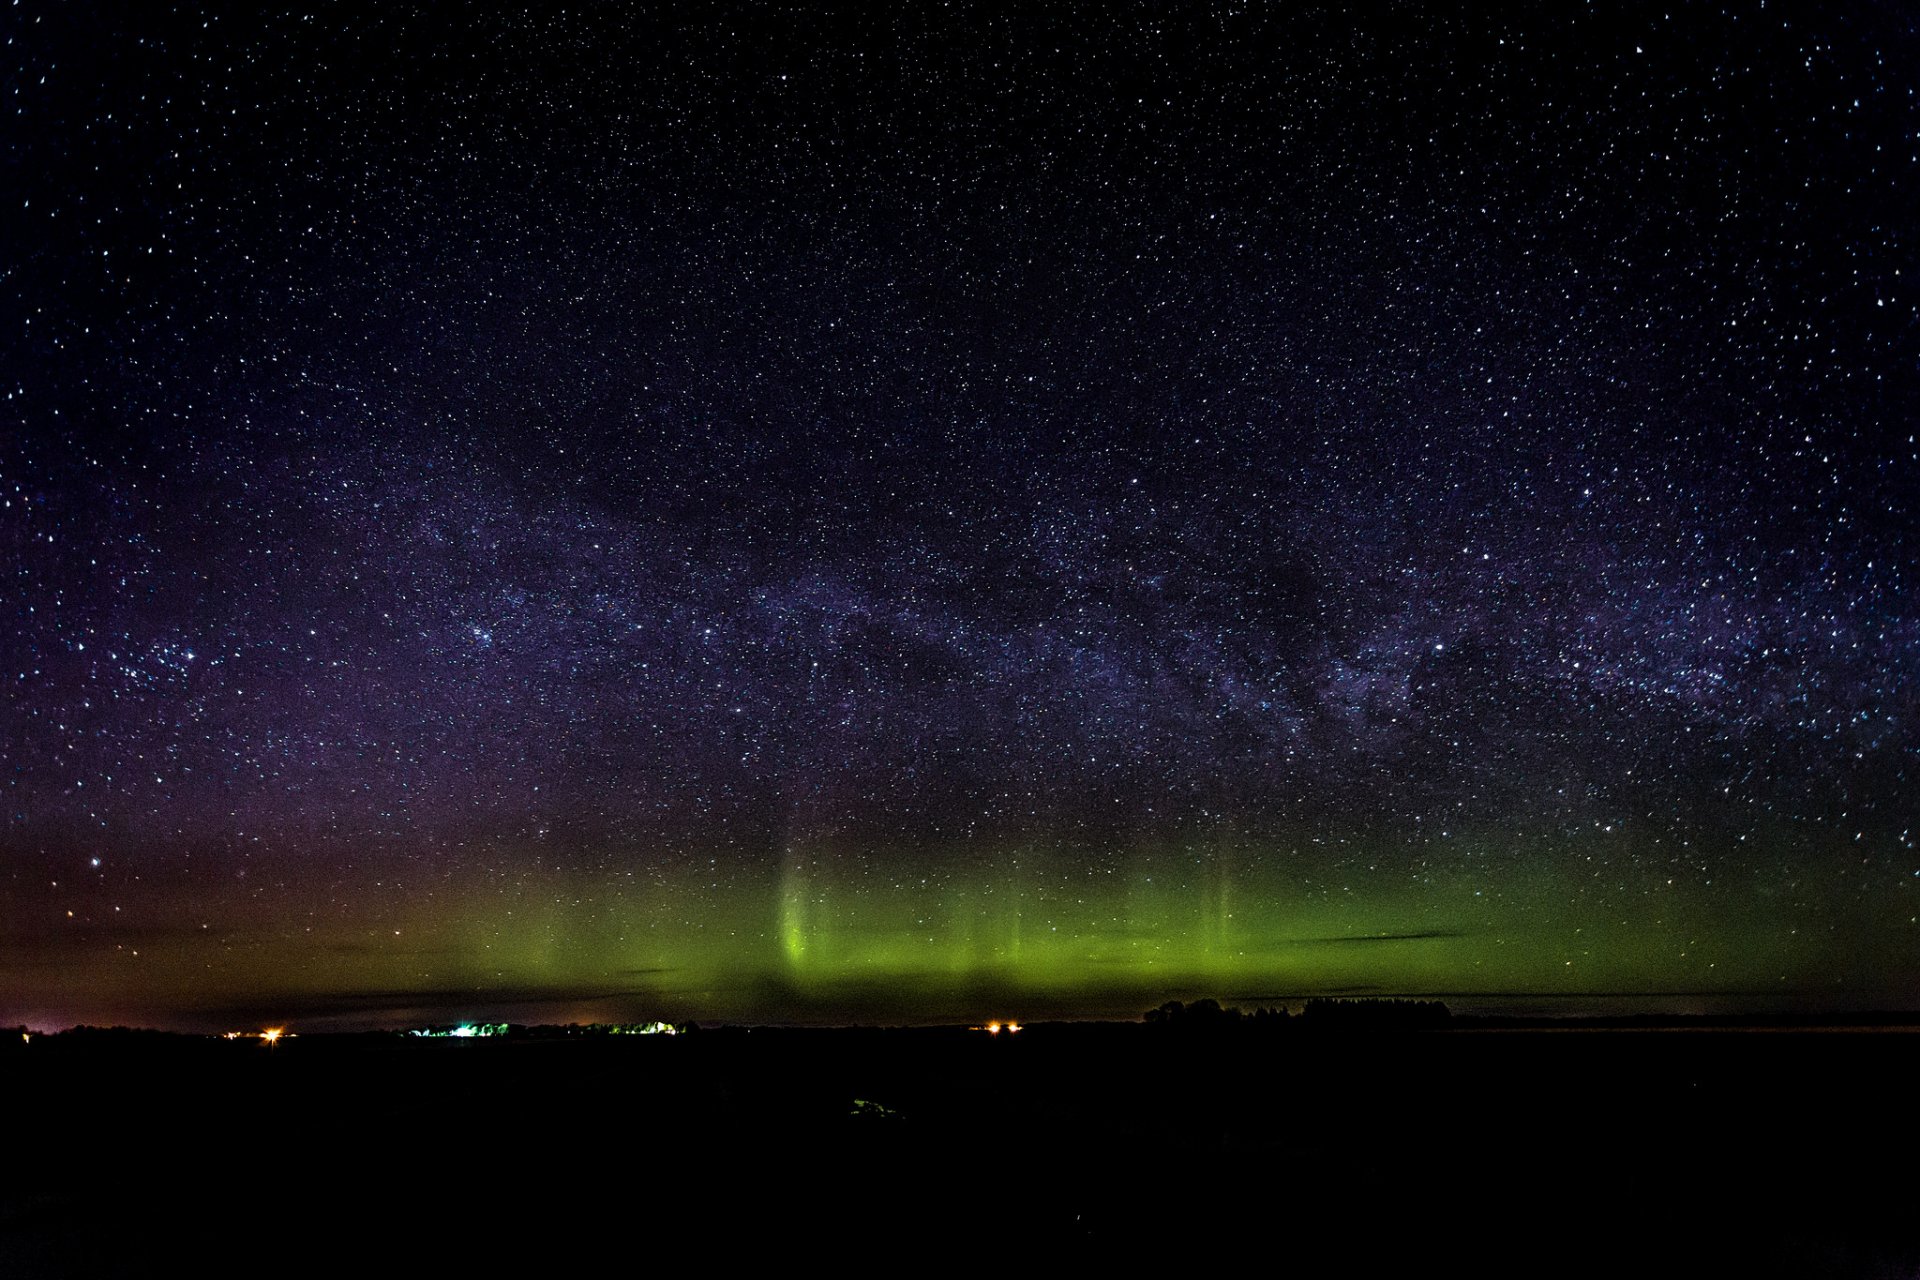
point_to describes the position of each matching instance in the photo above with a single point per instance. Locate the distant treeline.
(577, 1030)
(1318, 1014)
(83, 1034)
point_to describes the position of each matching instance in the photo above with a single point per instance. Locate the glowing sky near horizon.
(793, 516)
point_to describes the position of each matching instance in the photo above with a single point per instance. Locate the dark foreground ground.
(1706, 1152)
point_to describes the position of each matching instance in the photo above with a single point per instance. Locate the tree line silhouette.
(1319, 1014)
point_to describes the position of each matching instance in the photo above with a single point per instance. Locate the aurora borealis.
(744, 512)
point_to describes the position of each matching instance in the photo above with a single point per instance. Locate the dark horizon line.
(1836, 1018)
(1808, 1015)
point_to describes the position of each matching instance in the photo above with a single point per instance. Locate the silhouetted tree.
(1375, 1015)
(1205, 1013)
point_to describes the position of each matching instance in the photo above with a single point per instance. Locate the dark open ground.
(1711, 1151)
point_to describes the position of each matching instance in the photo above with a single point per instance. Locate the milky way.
(789, 515)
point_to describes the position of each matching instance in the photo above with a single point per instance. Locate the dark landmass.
(1328, 1142)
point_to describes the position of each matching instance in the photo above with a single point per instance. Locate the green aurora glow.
(832, 933)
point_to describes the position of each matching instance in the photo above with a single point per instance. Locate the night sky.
(760, 514)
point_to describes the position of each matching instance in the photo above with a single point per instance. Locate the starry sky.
(759, 513)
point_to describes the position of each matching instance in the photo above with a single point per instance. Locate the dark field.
(1652, 1152)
